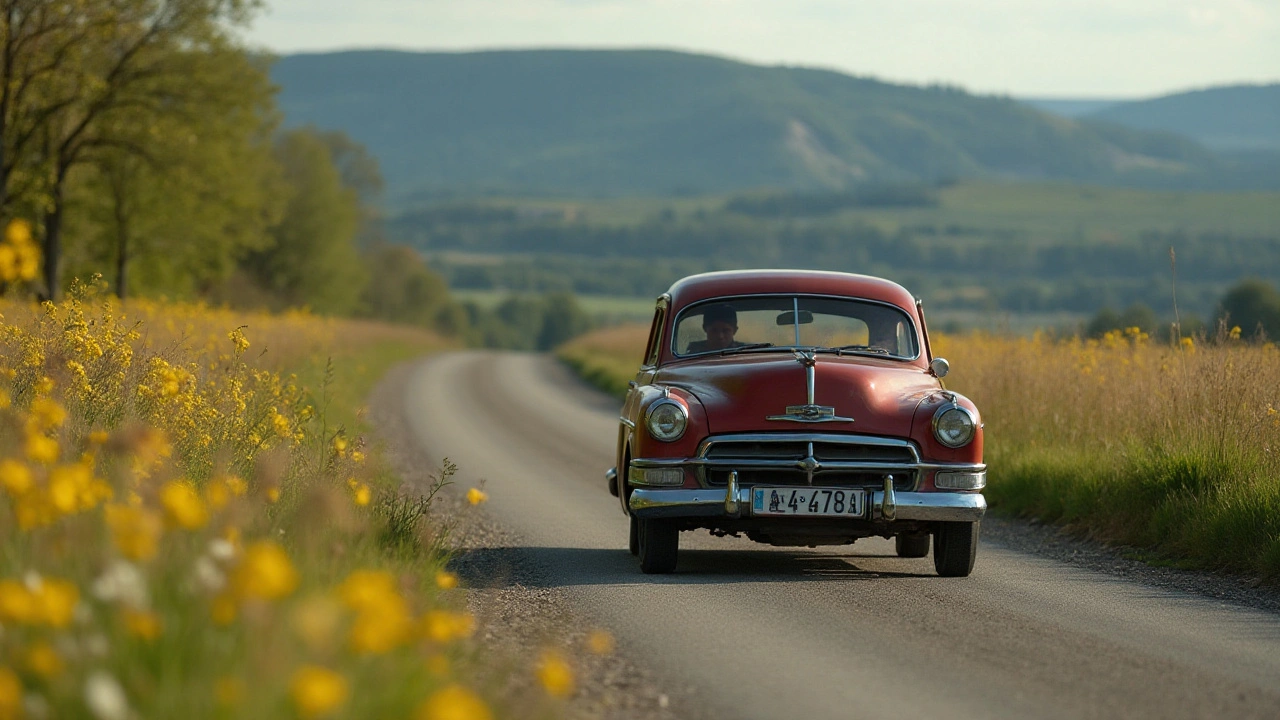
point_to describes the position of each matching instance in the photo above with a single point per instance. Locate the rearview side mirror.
(939, 367)
(789, 318)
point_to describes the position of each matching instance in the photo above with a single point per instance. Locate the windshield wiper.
(872, 349)
(749, 346)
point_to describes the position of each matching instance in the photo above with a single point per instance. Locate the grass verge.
(191, 523)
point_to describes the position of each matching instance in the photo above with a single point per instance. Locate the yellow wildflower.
(265, 572)
(57, 600)
(366, 589)
(273, 495)
(555, 675)
(446, 580)
(317, 690)
(142, 624)
(357, 456)
(361, 494)
(600, 642)
(339, 444)
(73, 488)
(97, 437)
(48, 413)
(15, 476)
(241, 342)
(43, 660)
(5, 400)
(183, 507)
(42, 602)
(41, 449)
(475, 496)
(17, 604)
(135, 530)
(44, 386)
(442, 626)
(18, 232)
(10, 694)
(453, 702)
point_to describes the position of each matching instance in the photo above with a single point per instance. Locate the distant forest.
(962, 261)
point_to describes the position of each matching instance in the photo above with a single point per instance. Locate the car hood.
(740, 392)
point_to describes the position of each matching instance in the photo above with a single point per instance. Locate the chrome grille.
(795, 459)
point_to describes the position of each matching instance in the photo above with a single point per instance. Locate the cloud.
(1054, 47)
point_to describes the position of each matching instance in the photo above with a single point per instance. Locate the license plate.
(811, 501)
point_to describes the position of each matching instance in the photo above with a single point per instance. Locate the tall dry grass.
(1172, 449)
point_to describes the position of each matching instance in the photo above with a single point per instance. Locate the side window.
(655, 338)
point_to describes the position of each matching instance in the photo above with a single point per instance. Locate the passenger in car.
(720, 323)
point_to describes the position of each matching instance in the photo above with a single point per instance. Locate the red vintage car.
(797, 408)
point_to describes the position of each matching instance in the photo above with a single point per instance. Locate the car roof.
(809, 282)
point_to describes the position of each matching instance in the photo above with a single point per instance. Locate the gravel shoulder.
(520, 615)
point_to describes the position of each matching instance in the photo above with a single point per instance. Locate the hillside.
(656, 122)
(1239, 117)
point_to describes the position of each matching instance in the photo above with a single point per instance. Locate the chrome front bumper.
(712, 503)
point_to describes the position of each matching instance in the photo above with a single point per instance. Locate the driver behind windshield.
(720, 323)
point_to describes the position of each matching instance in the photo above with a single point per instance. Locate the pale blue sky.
(1049, 48)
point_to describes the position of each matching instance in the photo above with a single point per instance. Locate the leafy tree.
(176, 220)
(75, 76)
(1253, 305)
(403, 289)
(312, 260)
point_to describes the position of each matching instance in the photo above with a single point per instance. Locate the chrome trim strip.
(810, 413)
(929, 507)
(629, 423)
(844, 439)
(796, 464)
(936, 506)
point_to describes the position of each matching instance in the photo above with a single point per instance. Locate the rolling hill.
(1234, 118)
(599, 123)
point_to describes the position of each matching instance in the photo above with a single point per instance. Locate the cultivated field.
(1174, 450)
(192, 524)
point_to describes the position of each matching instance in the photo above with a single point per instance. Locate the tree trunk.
(122, 236)
(53, 239)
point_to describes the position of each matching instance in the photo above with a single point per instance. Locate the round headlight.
(954, 426)
(666, 420)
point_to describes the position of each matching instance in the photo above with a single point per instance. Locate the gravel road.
(1046, 626)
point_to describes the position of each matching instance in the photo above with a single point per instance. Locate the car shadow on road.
(566, 567)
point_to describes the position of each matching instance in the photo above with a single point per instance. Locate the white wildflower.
(122, 582)
(221, 550)
(105, 697)
(207, 575)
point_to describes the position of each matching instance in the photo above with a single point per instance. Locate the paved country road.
(844, 632)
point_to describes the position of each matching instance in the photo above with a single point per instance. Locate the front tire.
(659, 545)
(634, 540)
(955, 547)
(911, 546)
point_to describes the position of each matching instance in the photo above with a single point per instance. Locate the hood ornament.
(809, 412)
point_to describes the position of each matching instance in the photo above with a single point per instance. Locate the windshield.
(788, 321)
